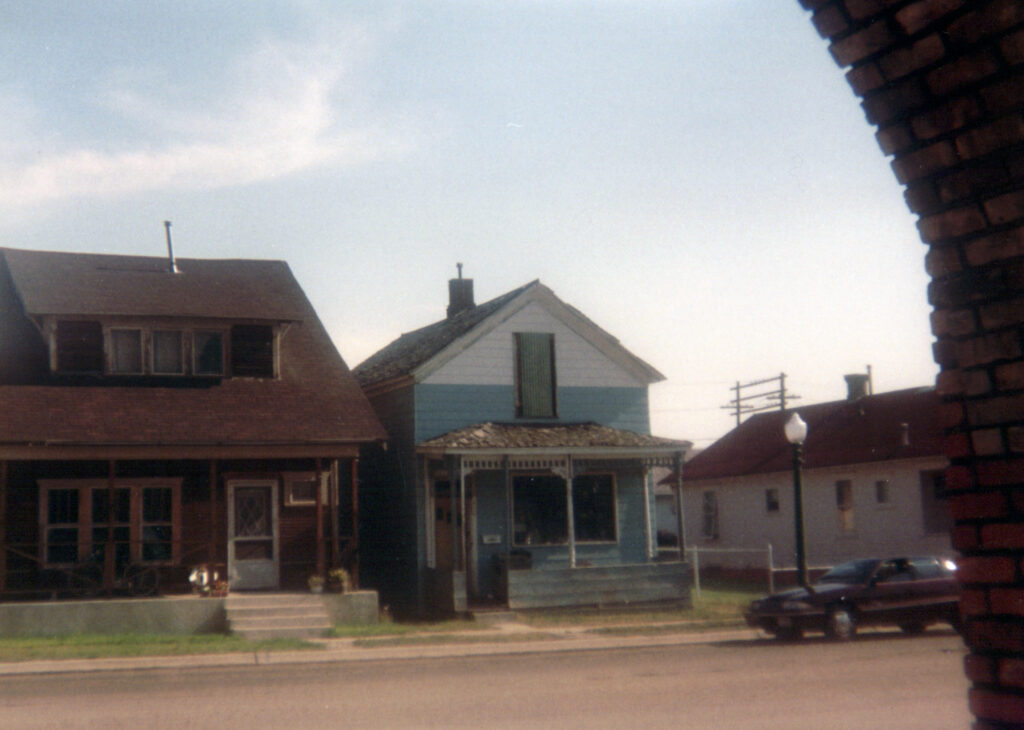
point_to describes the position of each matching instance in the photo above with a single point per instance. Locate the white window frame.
(156, 331)
(293, 478)
(114, 337)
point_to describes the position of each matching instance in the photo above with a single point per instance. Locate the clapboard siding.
(490, 360)
(443, 408)
(598, 586)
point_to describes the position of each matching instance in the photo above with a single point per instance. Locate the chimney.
(857, 385)
(460, 294)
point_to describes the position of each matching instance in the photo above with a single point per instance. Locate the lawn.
(97, 646)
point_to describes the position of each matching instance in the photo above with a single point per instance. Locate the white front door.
(252, 534)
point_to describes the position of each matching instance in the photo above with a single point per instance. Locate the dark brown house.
(156, 415)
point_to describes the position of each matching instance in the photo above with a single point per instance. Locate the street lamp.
(796, 433)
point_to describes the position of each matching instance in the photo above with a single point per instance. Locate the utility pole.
(764, 400)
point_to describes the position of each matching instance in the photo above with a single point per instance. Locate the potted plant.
(339, 580)
(316, 583)
(219, 588)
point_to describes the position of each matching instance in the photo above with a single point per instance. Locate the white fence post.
(696, 570)
(771, 570)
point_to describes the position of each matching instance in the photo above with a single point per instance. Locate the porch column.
(510, 527)
(321, 562)
(109, 554)
(211, 550)
(679, 506)
(353, 572)
(332, 502)
(462, 514)
(3, 526)
(569, 514)
(647, 514)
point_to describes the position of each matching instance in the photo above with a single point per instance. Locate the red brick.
(864, 78)
(981, 669)
(959, 478)
(1011, 672)
(999, 707)
(905, 61)
(1003, 536)
(1001, 472)
(922, 198)
(983, 179)
(955, 323)
(951, 414)
(963, 71)
(1011, 375)
(1012, 48)
(861, 9)
(965, 537)
(1005, 97)
(987, 442)
(944, 353)
(919, 15)
(1002, 314)
(925, 162)
(973, 602)
(1004, 245)
(947, 117)
(988, 349)
(894, 139)
(942, 262)
(1007, 601)
(995, 411)
(956, 445)
(979, 505)
(830, 21)
(1005, 208)
(860, 45)
(1015, 443)
(996, 17)
(951, 224)
(1002, 133)
(962, 382)
(890, 104)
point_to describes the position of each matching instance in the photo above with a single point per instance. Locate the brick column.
(943, 83)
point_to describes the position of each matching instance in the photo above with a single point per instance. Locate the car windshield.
(855, 571)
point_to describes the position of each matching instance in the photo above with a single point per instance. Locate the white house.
(872, 485)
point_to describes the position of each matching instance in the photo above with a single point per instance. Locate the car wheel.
(790, 633)
(912, 628)
(840, 624)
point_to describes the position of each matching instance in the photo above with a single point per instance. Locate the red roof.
(902, 424)
(314, 401)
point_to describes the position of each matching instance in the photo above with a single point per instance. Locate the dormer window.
(168, 356)
(79, 347)
(252, 351)
(535, 375)
(126, 352)
(208, 352)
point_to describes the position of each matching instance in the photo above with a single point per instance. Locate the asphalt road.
(881, 681)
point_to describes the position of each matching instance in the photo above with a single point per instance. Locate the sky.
(696, 176)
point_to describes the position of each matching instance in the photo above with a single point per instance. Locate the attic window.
(252, 351)
(208, 351)
(126, 352)
(79, 347)
(167, 352)
(535, 375)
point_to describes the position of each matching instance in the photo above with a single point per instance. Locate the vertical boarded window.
(709, 515)
(157, 524)
(208, 351)
(167, 353)
(79, 347)
(252, 351)
(535, 375)
(593, 508)
(844, 505)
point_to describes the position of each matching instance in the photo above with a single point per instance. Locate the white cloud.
(278, 114)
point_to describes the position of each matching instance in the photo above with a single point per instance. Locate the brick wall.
(943, 83)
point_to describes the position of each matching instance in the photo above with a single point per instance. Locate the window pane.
(79, 347)
(156, 504)
(709, 526)
(127, 351)
(167, 352)
(62, 507)
(209, 353)
(844, 504)
(539, 505)
(771, 500)
(535, 369)
(252, 351)
(593, 508)
(62, 545)
(156, 542)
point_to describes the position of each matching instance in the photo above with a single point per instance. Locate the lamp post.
(796, 433)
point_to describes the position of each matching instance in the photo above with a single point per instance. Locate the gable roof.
(422, 351)
(83, 284)
(868, 429)
(315, 401)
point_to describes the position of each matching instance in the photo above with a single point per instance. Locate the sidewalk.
(502, 639)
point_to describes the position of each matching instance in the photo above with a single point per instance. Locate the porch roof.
(591, 440)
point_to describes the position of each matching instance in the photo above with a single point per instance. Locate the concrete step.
(277, 615)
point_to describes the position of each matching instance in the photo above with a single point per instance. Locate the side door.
(253, 542)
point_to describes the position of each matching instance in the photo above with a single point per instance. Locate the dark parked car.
(911, 593)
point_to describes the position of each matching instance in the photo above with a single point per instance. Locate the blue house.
(517, 472)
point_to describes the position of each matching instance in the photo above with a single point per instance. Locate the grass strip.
(100, 646)
(433, 639)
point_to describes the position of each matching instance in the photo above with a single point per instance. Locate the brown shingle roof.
(841, 432)
(315, 401)
(412, 349)
(511, 436)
